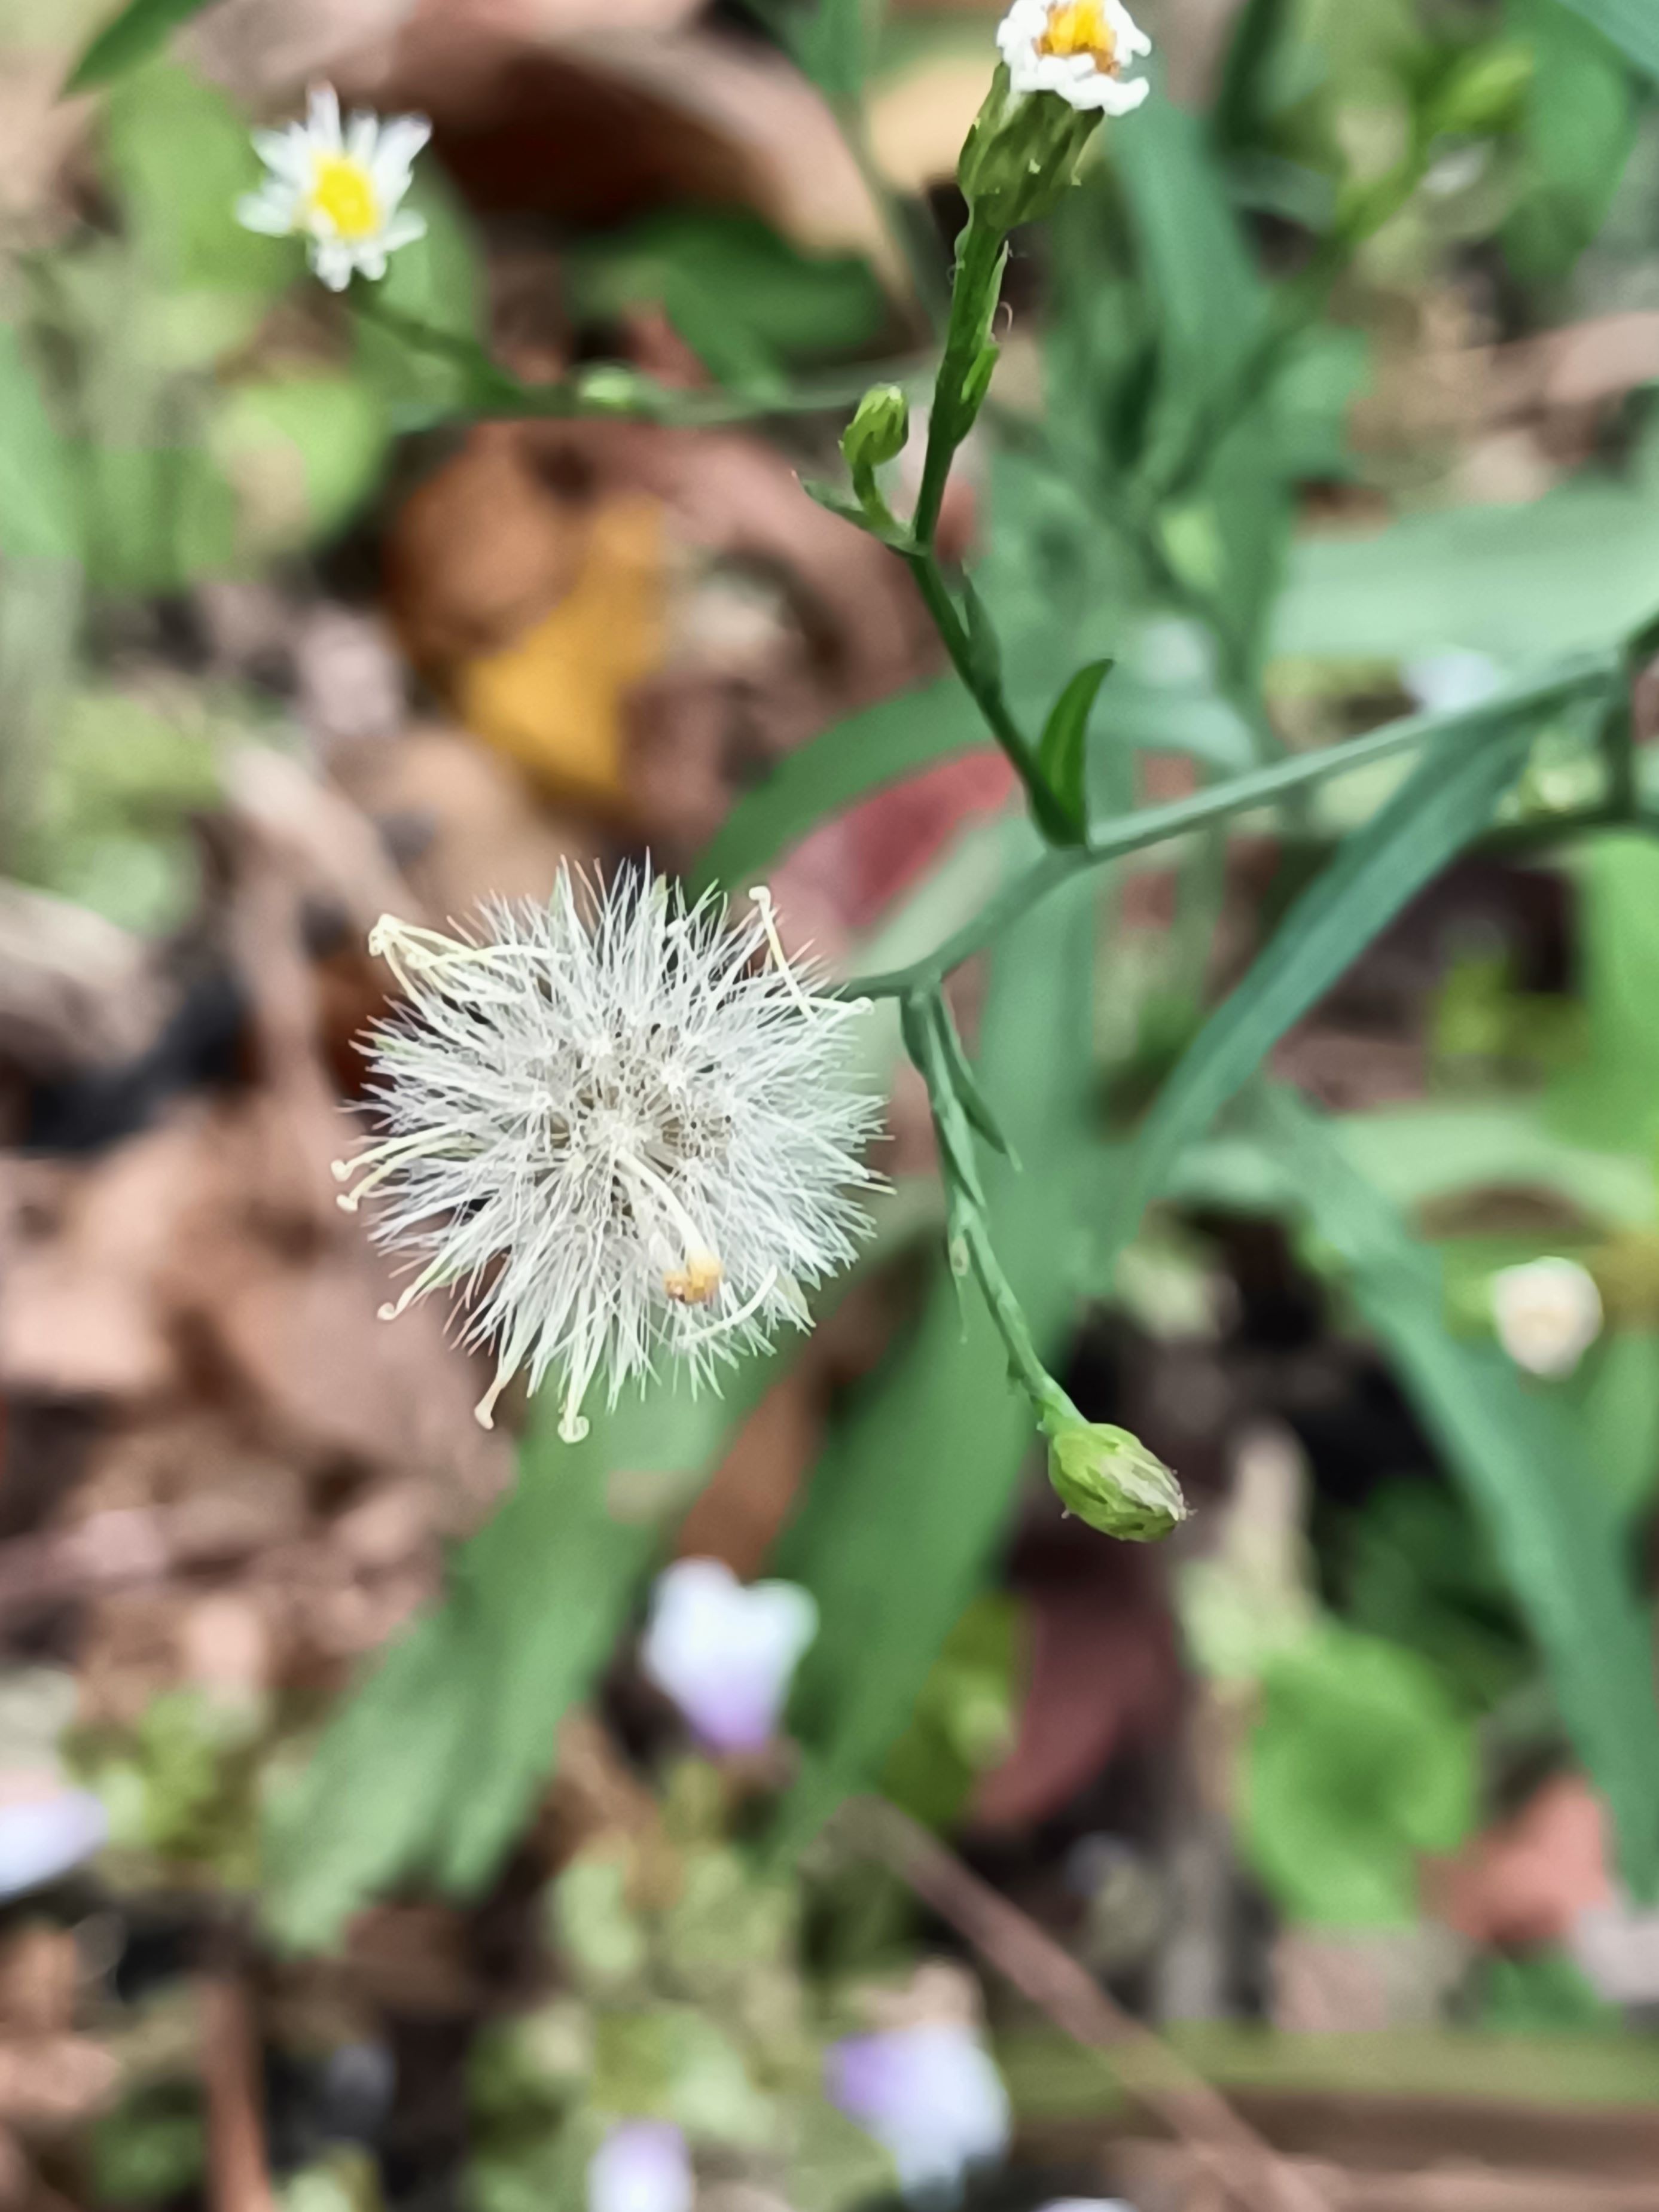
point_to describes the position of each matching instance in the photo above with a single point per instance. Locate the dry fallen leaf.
(554, 700)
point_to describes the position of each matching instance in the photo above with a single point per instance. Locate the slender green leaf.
(38, 514)
(140, 29)
(917, 1481)
(1193, 255)
(1632, 25)
(1610, 1098)
(984, 647)
(1557, 1527)
(1579, 129)
(1063, 753)
(1578, 569)
(883, 744)
(1447, 800)
(427, 1771)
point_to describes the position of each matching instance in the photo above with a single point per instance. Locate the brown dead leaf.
(40, 1976)
(554, 700)
(541, 107)
(74, 990)
(1529, 1880)
(480, 550)
(50, 2082)
(85, 1246)
(739, 1515)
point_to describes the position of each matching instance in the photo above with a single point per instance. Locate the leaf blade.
(923, 1466)
(1063, 749)
(1447, 800)
(141, 28)
(880, 746)
(1632, 25)
(1557, 1527)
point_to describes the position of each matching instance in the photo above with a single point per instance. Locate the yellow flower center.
(1079, 27)
(343, 191)
(695, 1283)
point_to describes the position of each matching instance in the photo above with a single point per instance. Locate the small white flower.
(1548, 1314)
(642, 2165)
(341, 189)
(724, 1654)
(931, 2096)
(621, 1127)
(1077, 48)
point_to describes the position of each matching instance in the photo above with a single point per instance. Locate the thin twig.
(239, 2178)
(1166, 2173)
(1250, 2172)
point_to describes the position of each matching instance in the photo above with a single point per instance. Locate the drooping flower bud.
(1107, 1478)
(877, 431)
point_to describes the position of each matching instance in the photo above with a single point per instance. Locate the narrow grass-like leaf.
(39, 519)
(984, 646)
(427, 1771)
(1063, 753)
(141, 28)
(882, 745)
(1447, 800)
(1556, 1523)
(1576, 570)
(917, 1481)
(1632, 25)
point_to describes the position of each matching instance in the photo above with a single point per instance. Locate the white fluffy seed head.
(619, 1126)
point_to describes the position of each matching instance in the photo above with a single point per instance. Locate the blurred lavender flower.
(642, 2165)
(931, 2096)
(1086, 2204)
(42, 1838)
(725, 1654)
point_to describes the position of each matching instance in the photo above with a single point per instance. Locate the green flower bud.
(877, 432)
(1484, 92)
(610, 387)
(1109, 1479)
(1021, 156)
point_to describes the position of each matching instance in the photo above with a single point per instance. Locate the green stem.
(492, 391)
(972, 304)
(1619, 749)
(1297, 303)
(1155, 825)
(927, 1030)
(989, 697)
(968, 1230)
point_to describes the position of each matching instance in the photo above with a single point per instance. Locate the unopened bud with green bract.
(1021, 156)
(610, 387)
(1484, 92)
(1109, 1479)
(877, 432)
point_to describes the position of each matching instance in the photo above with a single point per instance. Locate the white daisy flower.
(341, 190)
(1077, 48)
(1548, 1314)
(620, 1125)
